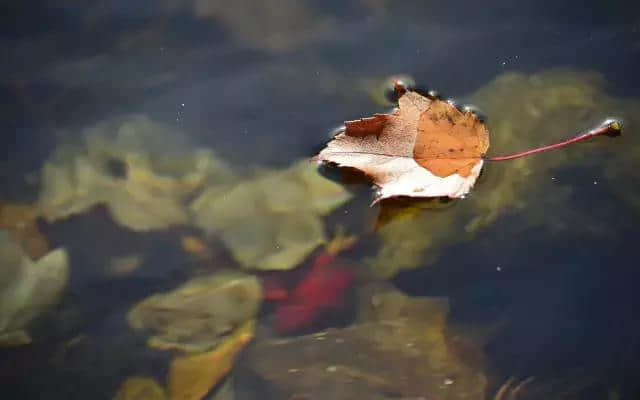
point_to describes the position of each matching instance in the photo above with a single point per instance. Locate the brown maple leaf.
(425, 148)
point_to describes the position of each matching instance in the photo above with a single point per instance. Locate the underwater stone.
(143, 171)
(271, 222)
(28, 289)
(264, 26)
(196, 316)
(399, 350)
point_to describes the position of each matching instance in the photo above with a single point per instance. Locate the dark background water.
(67, 65)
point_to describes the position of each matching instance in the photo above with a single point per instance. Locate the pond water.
(163, 236)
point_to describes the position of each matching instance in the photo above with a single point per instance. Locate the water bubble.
(453, 103)
(402, 80)
(337, 130)
(470, 108)
(434, 95)
(614, 125)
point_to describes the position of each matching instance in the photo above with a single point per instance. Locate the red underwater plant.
(323, 288)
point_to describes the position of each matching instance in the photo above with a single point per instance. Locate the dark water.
(266, 93)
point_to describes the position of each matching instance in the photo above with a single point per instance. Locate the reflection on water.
(162, 236)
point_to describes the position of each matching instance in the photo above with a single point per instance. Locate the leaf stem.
(610, 127)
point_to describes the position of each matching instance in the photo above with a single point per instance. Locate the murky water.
(158, 220)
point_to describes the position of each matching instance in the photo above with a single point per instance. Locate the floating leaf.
(425, 148)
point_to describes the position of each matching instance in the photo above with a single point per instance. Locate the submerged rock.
(28, 289)
(524, 111)
(140, 388)
(527, 111)
(198, 315)
(272, 222)
(397, 349)
(264, 26)
(141, 170)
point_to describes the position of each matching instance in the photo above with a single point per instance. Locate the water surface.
(538, 265)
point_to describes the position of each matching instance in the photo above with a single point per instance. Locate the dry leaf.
(193, 376)
(21, 221)
(426, 148)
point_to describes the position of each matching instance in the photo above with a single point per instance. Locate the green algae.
(524, 111)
